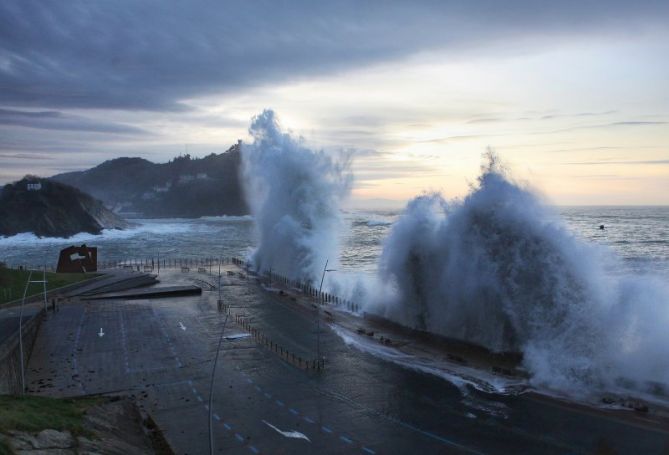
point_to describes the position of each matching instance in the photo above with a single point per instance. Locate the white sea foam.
(140, 227)
(460, 376)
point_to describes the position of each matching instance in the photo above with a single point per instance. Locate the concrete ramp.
(146, 293)
(115, 282)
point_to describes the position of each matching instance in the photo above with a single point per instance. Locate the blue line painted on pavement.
(227, 426)
(437, 437)
(325, 429)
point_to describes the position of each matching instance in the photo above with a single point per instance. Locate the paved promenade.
(161, 351)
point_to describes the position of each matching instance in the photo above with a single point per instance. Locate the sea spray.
(501, 270)
(294, 193)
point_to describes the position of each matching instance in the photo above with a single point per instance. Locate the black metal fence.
(284, 353)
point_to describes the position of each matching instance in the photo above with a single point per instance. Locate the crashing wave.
(294, 194)
(501, 270)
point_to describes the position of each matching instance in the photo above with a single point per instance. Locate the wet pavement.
(9, 318)
(161, 351)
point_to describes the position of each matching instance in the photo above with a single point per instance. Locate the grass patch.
(13, 282)
(4, 447)
(34, 413)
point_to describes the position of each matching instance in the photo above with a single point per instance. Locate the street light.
(213, 376)
(23, 302)
(318, 312)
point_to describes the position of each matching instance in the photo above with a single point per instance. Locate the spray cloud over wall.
(294, 194)
(501, 270)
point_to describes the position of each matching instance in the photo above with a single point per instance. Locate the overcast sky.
(573, 95)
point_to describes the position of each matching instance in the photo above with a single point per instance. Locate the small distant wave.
(228, 218)
(372, 223)
(378, 223)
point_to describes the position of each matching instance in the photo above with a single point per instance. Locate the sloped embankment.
(42, 425)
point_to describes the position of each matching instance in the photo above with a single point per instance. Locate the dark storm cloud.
(54, 120)
(156, 54)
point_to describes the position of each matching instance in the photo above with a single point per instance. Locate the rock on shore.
(51, 209)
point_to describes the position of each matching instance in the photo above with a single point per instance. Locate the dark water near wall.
(638, 235)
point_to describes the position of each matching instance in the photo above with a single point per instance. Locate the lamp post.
(219, 303)
(213, 369)
(44, 287)
(318, 312)
(23, 302)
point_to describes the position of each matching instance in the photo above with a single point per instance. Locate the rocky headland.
(52, 209)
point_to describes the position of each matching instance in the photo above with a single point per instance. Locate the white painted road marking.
(288, 434)
(182, 326)
(101, 334)
(346, 440)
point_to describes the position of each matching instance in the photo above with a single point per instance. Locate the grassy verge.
(34, 413)
(13, 282)
(4, 447)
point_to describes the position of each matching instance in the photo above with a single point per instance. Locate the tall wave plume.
(501, 270)
(294, 194)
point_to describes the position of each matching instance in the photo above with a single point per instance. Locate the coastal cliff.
(184, 187)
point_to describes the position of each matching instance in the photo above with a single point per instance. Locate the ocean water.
(638, 235)
(609, 323)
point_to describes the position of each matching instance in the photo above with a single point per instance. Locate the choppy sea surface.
(638, 235)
